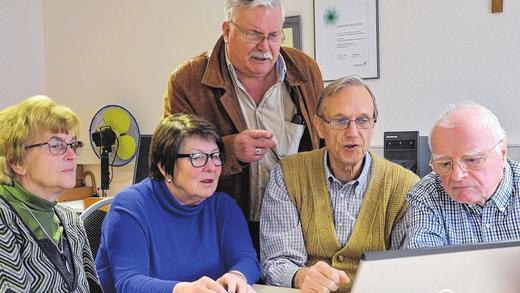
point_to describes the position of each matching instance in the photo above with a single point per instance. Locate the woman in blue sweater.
(173, 232)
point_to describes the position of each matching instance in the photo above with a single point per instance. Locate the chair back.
(93, 218)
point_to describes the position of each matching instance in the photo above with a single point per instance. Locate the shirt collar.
(21, 195)
(503, 194)
(361, 180)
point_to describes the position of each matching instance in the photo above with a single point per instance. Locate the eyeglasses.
(344, 123)
(466, 163)
(256, 37)
(59, 147)
(199, 160)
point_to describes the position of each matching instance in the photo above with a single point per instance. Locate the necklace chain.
(60, 242)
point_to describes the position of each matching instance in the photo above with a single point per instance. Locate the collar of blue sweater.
(170, 203)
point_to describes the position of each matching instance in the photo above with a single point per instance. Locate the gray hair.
(344, 82)
(231, 5)
(486, 119)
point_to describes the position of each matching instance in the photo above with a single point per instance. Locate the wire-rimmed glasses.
(257, 37)
(466, 163)
(343, 123)
(59, 147)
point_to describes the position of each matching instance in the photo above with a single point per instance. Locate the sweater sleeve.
(238, 251)
(127, 249)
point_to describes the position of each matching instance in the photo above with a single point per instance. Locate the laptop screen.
(141, 170)
(476, 268)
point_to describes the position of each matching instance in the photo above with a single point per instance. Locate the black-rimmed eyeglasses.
(256, 37)
(199, 160)
(59, 147)
(344, 123)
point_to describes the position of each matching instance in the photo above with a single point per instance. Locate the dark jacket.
(203, 86)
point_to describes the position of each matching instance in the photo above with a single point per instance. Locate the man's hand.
(320, 277)
(251, 145)
(202, 285)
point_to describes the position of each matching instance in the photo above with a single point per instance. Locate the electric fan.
(114, 134)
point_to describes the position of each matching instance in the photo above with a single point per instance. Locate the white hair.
(486, 119)
(231, 5)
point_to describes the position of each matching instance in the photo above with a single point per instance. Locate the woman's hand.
(202, 285)
(235, 282)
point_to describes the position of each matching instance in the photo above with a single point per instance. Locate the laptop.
(475, 268)
(141, 169)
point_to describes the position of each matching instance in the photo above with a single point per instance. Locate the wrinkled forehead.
(350, 102)
(459, 141)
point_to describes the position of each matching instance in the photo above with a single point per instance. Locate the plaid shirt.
(434, 219)
(283, 250)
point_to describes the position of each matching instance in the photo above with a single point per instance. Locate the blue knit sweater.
(151, 242)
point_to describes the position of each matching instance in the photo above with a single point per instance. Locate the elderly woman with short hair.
(43, 246)
(172, 232)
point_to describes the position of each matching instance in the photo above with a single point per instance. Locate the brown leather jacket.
(203, 86)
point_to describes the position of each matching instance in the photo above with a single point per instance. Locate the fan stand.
(104, 138)
(105, 173)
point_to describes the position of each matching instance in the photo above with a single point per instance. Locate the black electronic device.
(408, 149)
(141, 168)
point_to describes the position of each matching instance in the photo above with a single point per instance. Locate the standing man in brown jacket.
(261, 97)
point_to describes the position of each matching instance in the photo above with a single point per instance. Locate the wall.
(431, 53)
(437, 52)
(22, 62)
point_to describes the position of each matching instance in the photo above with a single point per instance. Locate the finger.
(328, 271)
(216, 287)
(259, 133)
(232, 286)
(343, 278)
(265, 143)
(325, 276)
(242, 286)
(258, 151)
(324, 284)
(313, 285)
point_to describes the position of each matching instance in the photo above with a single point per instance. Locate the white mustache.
(263, 55)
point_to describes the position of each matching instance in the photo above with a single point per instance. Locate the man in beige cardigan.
(323, 208)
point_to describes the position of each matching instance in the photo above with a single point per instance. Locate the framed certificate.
(346, 38)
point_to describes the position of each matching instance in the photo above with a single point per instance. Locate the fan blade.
(118, 119)
(127, 147)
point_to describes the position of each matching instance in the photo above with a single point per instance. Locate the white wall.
(100, 52)
(437, 52)
(22, 62)
(432, 53)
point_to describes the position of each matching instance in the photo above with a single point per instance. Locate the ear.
(225, 30)
(503, 151)
(163, 172)
(18, 169)
(319, 126)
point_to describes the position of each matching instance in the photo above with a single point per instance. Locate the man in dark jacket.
(260, 96)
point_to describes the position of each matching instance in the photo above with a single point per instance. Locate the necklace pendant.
(64, 259)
